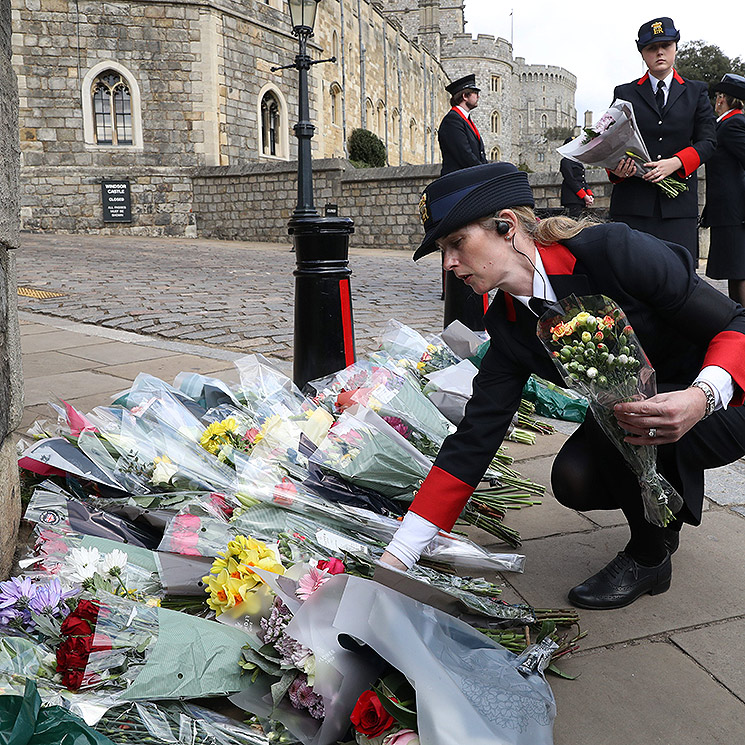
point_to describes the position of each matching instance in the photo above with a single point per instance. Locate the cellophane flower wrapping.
(615, 136)
(599, 355)
(424, 355)
(390, 395)
(371, 457)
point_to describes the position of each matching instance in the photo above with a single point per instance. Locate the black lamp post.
(324, 330)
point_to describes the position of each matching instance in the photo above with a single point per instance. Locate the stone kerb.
(11, 391)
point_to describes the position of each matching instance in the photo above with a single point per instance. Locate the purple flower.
(49, 598)
(16, 592)
(302, 696)
(399, 425)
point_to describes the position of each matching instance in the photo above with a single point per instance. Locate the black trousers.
(589, 473)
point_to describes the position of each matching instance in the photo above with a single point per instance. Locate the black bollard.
(463, 304)
(324, 330)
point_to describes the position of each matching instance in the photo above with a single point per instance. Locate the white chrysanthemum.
(82, 563)
(113, 563)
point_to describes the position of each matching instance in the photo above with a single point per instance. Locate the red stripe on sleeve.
(727, 350)
(441, 498)
(690, 160)
(581, 193)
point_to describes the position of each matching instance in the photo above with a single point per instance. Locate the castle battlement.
(485, 46)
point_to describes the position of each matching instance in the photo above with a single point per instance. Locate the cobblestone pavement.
(224, 293)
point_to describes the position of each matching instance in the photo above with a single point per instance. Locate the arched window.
(335, 45)
(381, 118)
(270, 124)
(496, 124)
(112, 109)
(335, 92)
(544, 121)
(394, 124)
(412, 135)
(495, 154)
(369, 119)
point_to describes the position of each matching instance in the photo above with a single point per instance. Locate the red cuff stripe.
(613, 178)
(727, 350)
(589, 191)
(441, 498)
(581, 193)
(690, 160)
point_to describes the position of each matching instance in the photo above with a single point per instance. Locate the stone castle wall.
(253, 203)
(11, 381)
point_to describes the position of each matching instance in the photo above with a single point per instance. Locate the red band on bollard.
(346, 321)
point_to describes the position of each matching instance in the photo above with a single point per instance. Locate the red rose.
(74, 651)
(87, 610)
(369, 717)
(72, 679)
(75, 626)
(332, 566)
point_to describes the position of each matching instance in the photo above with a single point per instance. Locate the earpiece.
(503, 227)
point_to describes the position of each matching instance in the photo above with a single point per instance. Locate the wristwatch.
(711, 401)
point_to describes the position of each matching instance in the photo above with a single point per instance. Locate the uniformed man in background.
(460, 142)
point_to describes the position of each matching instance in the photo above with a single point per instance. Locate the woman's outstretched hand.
(391, 560)
(663, 418)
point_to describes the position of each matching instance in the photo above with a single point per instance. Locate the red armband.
(581, 193)
(441, 498)
(727, 350)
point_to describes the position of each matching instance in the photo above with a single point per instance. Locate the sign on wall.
(117, 201)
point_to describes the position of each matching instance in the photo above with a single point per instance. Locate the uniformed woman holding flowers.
(676, 121)
(482, 221)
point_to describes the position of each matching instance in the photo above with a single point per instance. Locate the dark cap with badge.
(733, 85)
(461, 84)
(658, 29)
(461, 197)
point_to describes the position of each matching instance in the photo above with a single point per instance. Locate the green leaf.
(555, 670)
(402, 714)
(280, 688)
(269, 666)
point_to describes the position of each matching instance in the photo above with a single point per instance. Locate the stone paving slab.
(70, 385)
(644, 694)
(166, 368)
(117, 352)
(708, 580)
(55, 341)
(37, 364)
(718, 649)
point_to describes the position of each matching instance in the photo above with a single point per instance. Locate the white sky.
(596, 40)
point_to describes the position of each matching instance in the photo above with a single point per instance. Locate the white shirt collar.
(541, 284)
(666, 80)
(719, 118)
(465, 111)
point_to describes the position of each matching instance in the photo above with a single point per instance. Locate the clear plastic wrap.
(599, 355)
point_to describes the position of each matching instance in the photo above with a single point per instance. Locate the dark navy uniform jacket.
(686, 128)
(725, 174)
(460, 144)
(682, 323)
(574, 186)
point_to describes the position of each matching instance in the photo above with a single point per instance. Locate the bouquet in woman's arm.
(613, 137)
(598, 354)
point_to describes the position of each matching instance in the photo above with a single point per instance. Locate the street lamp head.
(303, 16)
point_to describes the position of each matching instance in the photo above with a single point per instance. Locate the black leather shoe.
(620, 583)
(672, 540)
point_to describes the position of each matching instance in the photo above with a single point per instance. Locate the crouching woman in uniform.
(482, 221)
